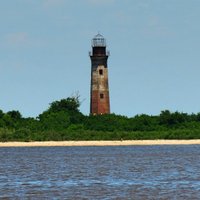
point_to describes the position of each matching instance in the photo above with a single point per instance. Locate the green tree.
(70, 104)
(55, 120)
(15, 115)
(1, 114)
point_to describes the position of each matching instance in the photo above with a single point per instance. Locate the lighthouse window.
(101, 71)
(101, 96)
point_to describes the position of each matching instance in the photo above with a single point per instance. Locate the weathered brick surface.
(99, 100)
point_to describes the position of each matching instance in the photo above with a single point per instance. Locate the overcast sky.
(154, 46)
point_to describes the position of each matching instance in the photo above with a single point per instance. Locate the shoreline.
(100, 143)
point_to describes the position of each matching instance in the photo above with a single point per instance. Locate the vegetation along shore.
(63, 121)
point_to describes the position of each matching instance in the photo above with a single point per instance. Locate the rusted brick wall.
(100, 91)
(99, 100)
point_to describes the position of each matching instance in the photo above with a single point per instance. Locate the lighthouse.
(99, 89)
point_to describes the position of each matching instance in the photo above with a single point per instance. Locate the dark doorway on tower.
(101, 96)
(101, 71)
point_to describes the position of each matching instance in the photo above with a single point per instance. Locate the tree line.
(64, 121)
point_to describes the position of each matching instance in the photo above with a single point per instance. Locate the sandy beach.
(99, 143)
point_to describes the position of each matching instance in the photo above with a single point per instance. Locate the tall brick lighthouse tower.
(99, 92)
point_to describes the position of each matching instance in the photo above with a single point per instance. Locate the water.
(137, 172)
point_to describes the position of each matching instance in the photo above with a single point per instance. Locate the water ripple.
(145, 172)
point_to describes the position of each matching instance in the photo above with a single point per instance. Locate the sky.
(154, 61)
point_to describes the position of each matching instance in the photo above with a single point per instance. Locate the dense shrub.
(63, 121)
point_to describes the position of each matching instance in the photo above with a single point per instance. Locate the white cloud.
(122, 17)
(100, 2)
(143, 5)
(52, 3)
(18, 38)
(157, 27)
